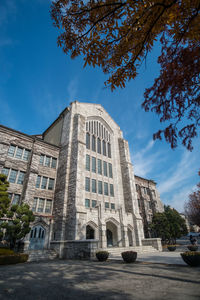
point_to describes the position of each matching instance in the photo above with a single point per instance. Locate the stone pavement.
(92, 280)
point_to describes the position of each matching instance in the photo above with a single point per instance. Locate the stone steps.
(41, 255)
(116, 252)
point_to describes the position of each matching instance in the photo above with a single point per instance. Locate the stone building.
(78, 179)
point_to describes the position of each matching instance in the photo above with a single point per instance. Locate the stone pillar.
(103, 237)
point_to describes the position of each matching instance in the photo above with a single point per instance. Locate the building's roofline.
(150, 180)
(32, 137)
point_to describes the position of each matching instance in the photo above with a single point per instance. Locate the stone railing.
(154, 242)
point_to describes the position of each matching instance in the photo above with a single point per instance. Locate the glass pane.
(19, 153)
(51, 184)
(26, 154)
(13, 175)
(112, 205)
(87, 166)
(106, 204)
(94, 189)
(104, 148)
(87, 184)
(106, 188)
(44, 183)
(47, 161)
(94, 164)
(5, 171)
(99, 146)
(111, 190)
(93, 143)
(48, 206)
(11, 150)
(38, 181)
(110, 171)
(99, 166)
(100, 187)
(94, 203)
(87, 140)
(109, 150)
(20, 179)
(87, 202)
(16, 199)
(54, 163)
(105, 170)
(41, 159)
(34, 204)
(40, 205)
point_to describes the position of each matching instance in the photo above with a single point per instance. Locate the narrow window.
(38, 181)
(105, 169)
(5, 171)
(34, 204)
(87, 163)
(41, 160)
(48, 206)
(86, 126)
(106, 204)
(13, 175)
(26, 154)
(100, 188)
(93, 143)
(94, 203)
(53, 163)
(109, 150)
(112, 205)
(44, 183)
(87, 184)
(19, 152)
(110, 170)
(99, 166)
(16, 199)
(94, 186)
(40, 205)
(20, 179)
(51, 184)
(47, 161)
(104, 147)
(11, 150)
(99, 145)
(87, 202)
(111, 190)
(87, 140)
(94, 164)
(105, 188)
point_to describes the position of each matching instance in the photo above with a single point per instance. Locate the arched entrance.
(37, 238)
(130, 237)
(111, 234)
(90, 233)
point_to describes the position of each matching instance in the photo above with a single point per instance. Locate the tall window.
(87, 184)
(87, 163)
(99, 166)
(13, 175)
(87, 140)
(104, 147)
(11, 150)
(41, 159)
(48, 206)
(41, 205)
(99, 145)
(111, 190)
(109, 150)
(44, 183)
(93, 143)
(94, 164)
(94, 186)
(26, 154)
(110, 170)
(20, 179)
(105, 169)
(38, 181)
(47, 161)
(87, 202)
(5, 171)
(53, 162)
(100, 188)
(105, 188)
(19, 152)
(51, 184)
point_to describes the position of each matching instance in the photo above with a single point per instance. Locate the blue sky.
(37, 81)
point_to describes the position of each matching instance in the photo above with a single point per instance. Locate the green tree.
(117, 35)
(192, 207)
(168, 225)
(15, 219)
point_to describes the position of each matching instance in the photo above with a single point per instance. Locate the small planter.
(192, 258)
(171, 247)
(102, 255)
(129, 256)
(192, 248)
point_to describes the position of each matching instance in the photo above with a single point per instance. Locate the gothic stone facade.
(78, 179)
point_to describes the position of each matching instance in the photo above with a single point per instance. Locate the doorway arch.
(90, 233)
(37, 238)
(111, 234)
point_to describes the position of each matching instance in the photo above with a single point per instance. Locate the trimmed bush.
(171, 247)
(13, 259)
(6, 251)
(192, 258)
(102, 255)
(192, 247)
(129, 256)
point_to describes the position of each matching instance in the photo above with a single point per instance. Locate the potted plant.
(192, 258)
(171, 247)
(192, 247)
(129, 256)
(102, 255)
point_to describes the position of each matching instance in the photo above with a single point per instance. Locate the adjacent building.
(78, 179)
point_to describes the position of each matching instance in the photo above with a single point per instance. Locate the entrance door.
(109, 235)
(37, 238)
